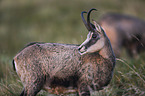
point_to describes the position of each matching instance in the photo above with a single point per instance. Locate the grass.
(26, 21)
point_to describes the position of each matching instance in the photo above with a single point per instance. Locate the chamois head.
(95, 39)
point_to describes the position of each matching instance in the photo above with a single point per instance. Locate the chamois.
(67, 68)
(124, 31)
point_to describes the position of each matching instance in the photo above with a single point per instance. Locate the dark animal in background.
(67, 68)
(124, 31)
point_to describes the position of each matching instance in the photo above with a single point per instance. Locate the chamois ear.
(97, 26)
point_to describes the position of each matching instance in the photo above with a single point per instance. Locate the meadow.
(24, 21)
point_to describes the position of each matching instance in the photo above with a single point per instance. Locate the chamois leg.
(132, 50)
(22, 93)
(33, 87)
(83, 89)
(30, 92)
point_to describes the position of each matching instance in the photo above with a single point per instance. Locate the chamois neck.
(106, 52)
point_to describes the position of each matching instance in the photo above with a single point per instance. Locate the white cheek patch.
(93, 48)
(97, 46)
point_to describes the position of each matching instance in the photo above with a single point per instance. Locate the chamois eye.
(94, 35)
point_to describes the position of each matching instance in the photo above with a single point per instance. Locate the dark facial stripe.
(91, 42)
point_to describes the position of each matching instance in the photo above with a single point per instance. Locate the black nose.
(79, 48)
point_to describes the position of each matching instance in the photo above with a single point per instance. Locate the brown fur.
(39, 65)
(60, 69)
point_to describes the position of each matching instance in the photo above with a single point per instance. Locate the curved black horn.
(88, 19)
(84, 20)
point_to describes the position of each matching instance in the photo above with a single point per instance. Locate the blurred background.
(59, 21)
